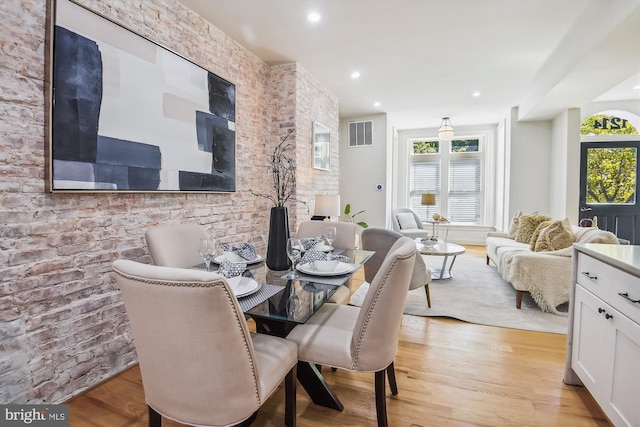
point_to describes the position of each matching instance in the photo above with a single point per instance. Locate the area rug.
(476, 294)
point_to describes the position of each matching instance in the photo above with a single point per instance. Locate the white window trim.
(486, 134)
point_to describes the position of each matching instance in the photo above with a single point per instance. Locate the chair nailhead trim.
(230, 298)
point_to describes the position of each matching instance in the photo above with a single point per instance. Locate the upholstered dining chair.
(381, 240)
(175, 245)
(200, 365)
(346, 232)
(408, 223)
(346, 235)
(363, 339)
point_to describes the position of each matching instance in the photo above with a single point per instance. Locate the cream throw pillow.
(527, 225)
(536, 234)
(513, 227)
(406, 220)
(557, 235)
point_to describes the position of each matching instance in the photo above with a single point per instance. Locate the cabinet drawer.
(608, 283)
(625, 304)
(594, 275)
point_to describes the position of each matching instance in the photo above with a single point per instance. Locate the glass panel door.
(608, 187)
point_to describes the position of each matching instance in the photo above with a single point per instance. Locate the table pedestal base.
(444, 272)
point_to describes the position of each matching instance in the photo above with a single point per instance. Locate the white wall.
(564, 184)
(632, 106)
(529, 165)
(362, 169)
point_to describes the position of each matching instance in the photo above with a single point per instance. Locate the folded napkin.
(231, 269)
(314, 255)
(311, 242)
(246, 250)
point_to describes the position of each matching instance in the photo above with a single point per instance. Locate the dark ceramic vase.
(277, 258)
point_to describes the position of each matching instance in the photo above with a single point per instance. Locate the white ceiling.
(423, 59)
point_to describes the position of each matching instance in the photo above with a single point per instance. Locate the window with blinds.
(453, 172)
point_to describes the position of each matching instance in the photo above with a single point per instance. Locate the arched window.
(610, 122)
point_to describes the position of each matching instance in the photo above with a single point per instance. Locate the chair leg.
(426, 289)
(155, 419)
(290, 398)
(381, 400)
(391, 375)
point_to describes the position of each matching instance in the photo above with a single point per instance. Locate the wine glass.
(207, 251)
(331, 236)
(294, 250)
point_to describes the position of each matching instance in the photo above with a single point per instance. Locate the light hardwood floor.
(449, 373)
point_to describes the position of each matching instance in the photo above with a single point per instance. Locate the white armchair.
(408, 223)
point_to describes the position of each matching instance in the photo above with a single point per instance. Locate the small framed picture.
(321, 147)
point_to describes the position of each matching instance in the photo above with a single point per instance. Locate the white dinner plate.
(341, 268)
(243, 286)
(235, 258)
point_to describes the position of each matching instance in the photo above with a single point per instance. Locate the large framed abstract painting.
(130, 115)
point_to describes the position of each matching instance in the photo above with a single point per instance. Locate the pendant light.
(445, 133)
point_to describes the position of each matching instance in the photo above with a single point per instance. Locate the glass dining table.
(288, 298)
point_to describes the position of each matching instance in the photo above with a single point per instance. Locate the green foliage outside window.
(465, 145)
(457, 146)
(611, 172)
(426, 147)
(602, 124)
(611, 175)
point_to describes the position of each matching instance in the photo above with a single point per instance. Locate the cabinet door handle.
(589, 276)
(601, 310)
(625, 295)
(608, 316)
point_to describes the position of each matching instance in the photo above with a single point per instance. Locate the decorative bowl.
(326, 266)
(429, 242)
(231, 257)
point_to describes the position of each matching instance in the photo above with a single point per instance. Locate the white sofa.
(545, 275)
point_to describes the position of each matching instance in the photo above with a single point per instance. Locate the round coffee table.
(442, 249)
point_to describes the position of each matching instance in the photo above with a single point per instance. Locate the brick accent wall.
(297, 100)
(62, 323)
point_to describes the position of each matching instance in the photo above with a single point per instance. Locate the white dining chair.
(363, 339)
(175, 245)
(200, 365)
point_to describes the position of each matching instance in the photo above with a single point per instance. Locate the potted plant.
(282, 170)
(352, 217)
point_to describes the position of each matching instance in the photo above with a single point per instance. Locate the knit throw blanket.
(547, 275)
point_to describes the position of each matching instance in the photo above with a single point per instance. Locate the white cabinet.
(605, 353)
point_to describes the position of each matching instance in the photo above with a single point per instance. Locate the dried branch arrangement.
(282, 169)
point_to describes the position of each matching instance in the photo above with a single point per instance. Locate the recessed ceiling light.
(376, 104)
(355, 75)
(637, 87)
(476, 94)
(313, 16)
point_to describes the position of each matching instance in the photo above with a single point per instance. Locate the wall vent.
(360, 134)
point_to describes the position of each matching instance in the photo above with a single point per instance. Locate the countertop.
(624, 257)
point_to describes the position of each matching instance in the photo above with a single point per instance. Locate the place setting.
(317, 265)
(233, 264)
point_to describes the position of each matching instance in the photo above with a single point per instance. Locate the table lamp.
(327, 206)
(428, 199)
